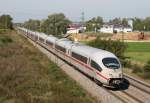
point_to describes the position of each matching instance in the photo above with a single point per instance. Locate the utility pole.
(123, 35)
(40, 26)
(5, 22)
(82, 18)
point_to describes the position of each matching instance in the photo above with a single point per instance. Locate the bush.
(116, 47)
(136, 69)
(147, 70)
(126, 63)
(147, 67)
(143, 72)
(2, 31)
(5, 40)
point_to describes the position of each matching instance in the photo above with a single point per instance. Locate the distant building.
(111, 28)
(75, 28)
(107, 28)
(130, 23)
(127, 29)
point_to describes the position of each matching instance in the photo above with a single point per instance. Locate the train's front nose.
(115, 78)
(114, 71)
(115, 81)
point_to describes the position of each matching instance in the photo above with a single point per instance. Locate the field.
(27, 76)
(138, 51)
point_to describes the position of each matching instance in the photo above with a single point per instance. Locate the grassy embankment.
(27, 76)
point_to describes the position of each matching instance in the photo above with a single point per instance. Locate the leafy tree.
(141, 24)
(138, 24)
(124, 22)
(117, 47)
(45, 26)
(6, 22)
(116, 21)
(94, 23)
(55, 24)
(146, 24)
(32, 24)
(147, 70)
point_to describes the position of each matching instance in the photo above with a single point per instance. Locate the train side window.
(60, 48)
(41, 39)
(79, 57)
(49, 43)
(95, 65)
(36, 37)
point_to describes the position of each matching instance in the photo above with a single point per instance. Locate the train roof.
(65, 43)
(42, 35)
(79, 48)
(83, 49)
(90, 51)
(51, 38)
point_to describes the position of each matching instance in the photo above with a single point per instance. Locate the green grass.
(28, 76)
(138, 51)
(4, 40)
(138, 47)
(138, 56)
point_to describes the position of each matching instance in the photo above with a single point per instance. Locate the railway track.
(138, 84)
(132, 91)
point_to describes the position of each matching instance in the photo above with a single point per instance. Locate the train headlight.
(120, 75)
(111, 76)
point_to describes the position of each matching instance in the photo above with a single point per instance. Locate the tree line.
(6, 22)
(141, 24)
(138, 23)
(57, 23)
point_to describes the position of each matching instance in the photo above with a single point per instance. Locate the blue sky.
(22, 10)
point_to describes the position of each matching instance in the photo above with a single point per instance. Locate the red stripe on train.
(85, 65)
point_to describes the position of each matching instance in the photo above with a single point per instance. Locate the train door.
(93, 73)
(68, 55)
(97, 70)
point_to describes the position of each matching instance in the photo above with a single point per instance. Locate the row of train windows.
(77, 56)
(84, 60)
(95, 65)
(49, 43)
(60, 48)
(41, 39)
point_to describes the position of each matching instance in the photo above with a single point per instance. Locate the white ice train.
(99, 64)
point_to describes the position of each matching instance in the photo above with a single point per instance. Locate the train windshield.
(111, 63)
